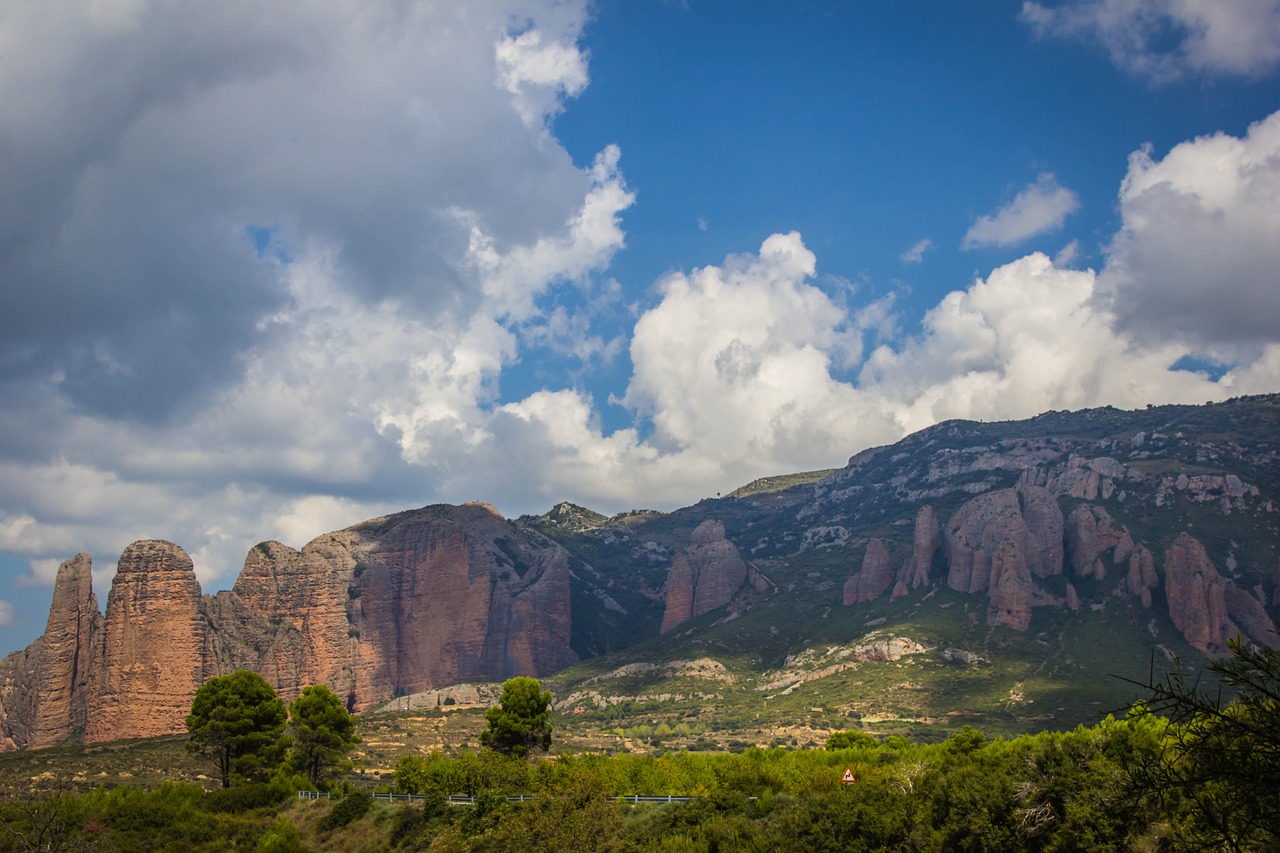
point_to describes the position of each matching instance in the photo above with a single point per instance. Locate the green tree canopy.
(323, 733)
(238, 722)
(851, 740)
(522, 720)
(1222, 755)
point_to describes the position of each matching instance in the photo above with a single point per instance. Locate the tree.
(323, 733)
(851, 740)
(1221, 759)
(522, 720)
(238, 721)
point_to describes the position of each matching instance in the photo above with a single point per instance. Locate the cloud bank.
(270, 284)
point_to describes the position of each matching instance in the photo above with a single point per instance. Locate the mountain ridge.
(962, 542)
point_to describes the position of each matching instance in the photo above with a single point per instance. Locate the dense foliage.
(1053, 791)
(521, 722)
(1204, 777)
(238, 722)
(1221, 762)
(323, 733)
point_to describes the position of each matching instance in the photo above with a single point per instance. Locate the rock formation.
(71, 654)
(153, 645)
(997, 542)
(874, 578)
(1142, 577)
(702, 577)
(45, 689)
(1090, 533)
(395, 605)
(1208, 609)
(915, 571)
(412, 601)
(1196, 595)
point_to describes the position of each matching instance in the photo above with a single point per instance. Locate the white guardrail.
(461, 800)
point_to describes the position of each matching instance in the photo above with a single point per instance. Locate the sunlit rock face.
(153, 644)
(396, 605)
(703, 577)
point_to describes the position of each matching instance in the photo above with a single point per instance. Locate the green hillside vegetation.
(1050, 791)
(1204, 778)
(780, 483)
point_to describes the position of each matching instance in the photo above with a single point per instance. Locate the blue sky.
(286, 269)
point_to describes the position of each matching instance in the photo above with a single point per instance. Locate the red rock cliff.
(153, 644)
(703, 577)
(998, 542)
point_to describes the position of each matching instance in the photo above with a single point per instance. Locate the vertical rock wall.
(153, 645)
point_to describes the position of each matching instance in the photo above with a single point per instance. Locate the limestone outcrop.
(704, 576)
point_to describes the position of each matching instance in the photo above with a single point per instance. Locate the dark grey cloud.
(138, 141)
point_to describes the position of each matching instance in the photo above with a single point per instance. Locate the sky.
(268, 270)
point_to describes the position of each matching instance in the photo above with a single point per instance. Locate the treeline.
(1183, 772)
(1051, 791)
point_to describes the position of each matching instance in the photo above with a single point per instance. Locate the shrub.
(247, 796)
(348, 810)
(282, 838)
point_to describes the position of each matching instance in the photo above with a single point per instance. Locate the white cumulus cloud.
(1199, 245)
(1039, 207)
(1164, 40)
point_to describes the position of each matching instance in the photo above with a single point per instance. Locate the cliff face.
(410, 602)
(45, 689)
(1091, 532)
(400, 604)
(875, 577)
(71, 654)
(702, 577)
(153, 645)
(998, 543)
(1208, 609)
(924, 545)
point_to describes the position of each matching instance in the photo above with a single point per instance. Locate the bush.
(282, 838)
(850, 740)
(247, 796)
(346, 811)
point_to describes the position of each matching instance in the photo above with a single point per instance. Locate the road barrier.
(461, 800)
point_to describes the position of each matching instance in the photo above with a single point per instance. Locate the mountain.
(391, 606)
(1001, 574)
(997, 573)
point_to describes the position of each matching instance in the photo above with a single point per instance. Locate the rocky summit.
(991, 572)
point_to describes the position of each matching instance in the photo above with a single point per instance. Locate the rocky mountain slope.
(1021, 566)
(392, 606)
(998, 573)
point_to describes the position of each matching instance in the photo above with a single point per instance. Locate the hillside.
(1120, 538)
(998, 574)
